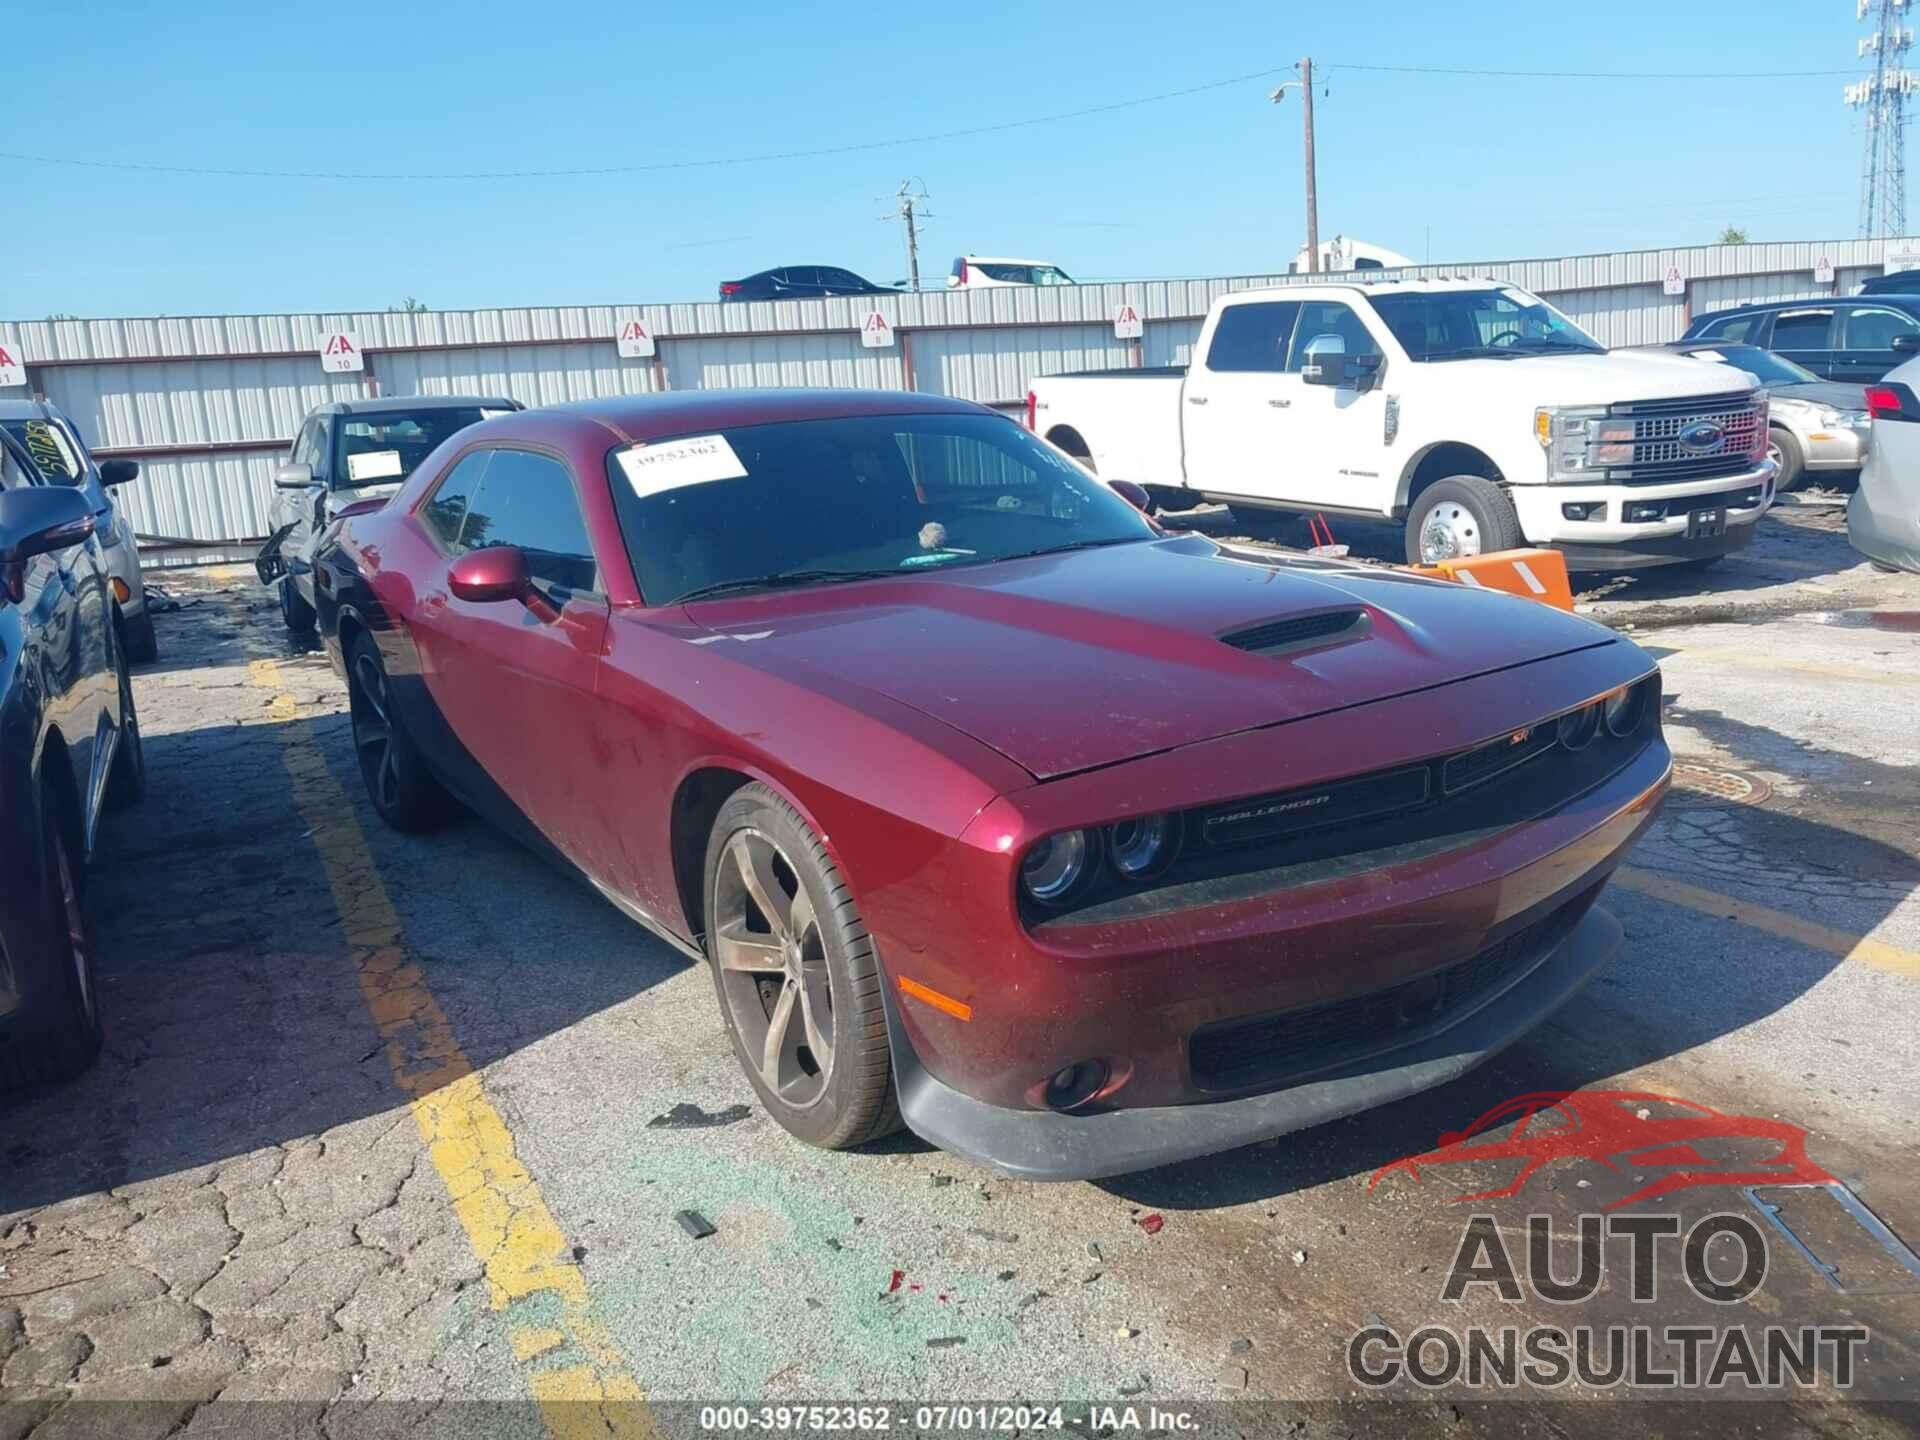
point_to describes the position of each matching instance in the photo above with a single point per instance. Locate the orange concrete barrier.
(1531, 574)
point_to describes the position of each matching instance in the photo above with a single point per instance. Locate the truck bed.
(1129, 432)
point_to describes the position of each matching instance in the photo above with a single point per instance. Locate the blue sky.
(1458, 167)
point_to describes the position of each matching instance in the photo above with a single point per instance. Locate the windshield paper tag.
(373, 465)
(674, 463)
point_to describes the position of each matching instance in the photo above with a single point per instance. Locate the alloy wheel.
(1451, 532)
(70, 915)
(373, 731)
(772, 960)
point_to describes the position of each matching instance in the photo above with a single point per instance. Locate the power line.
(826, 151)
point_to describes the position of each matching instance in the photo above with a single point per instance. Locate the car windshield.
(49, 449)
(817, 501)
(1475, 324)
(1765, 366)
(384, 448)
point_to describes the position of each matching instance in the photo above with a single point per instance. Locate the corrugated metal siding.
(248, 379)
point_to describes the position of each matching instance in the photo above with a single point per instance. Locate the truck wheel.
(1458, 517)
(798, 981)
(294, 608)
(1783, 448)
(55, 1033)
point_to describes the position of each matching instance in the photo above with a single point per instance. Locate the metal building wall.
(208, 404)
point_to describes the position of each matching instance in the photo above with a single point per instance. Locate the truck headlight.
(1579, 439)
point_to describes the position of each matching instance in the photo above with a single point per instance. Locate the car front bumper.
(1838, 447)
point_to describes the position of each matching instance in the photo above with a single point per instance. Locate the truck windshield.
(765, 507)
(1476, 324)
(383, 448)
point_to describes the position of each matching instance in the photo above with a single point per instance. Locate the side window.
(307, 444)
(1328, 317)
(802, 275)
(13, 475)
(528, 500)
(445, 512)
(1802, 329)
(1734, 330)
(1253, 336)
(1875, 329)
(840, 279)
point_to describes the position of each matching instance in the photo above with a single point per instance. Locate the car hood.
(1834, 393)
(1608, 379)
(1068, 662)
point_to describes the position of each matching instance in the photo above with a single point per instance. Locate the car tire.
(137, 640)
(294, 608)
(56, 1032)
(128, 782)
(801, 974)
(1476, 516)
(1783, 447)
(402, 788)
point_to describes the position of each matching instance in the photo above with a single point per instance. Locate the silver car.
(1883, 517)
(1814, 426)
(54, 444)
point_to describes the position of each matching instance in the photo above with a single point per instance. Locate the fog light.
(1578, 727)
(1585, 510)
(1144, 845)
(1640, 511)
(1625, 707)
(1075, 1085)
(1055, 865)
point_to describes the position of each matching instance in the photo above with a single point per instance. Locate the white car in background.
(988, 272)
(1883, 517)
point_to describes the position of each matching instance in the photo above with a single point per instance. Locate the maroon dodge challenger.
(1075, 845)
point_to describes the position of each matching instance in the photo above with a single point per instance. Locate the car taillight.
(1883, 402)
(1033, 405)
(963, 272)
(729, 287)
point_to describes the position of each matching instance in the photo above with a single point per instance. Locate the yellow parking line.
(579, 1377)
(1861, 948)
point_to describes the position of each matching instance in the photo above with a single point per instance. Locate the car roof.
(389, 404)
(1815, 302)
(1004, 260)
(1436, 286)
(682, 412)
(25, 410)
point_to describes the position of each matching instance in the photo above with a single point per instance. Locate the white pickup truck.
(1471, 410)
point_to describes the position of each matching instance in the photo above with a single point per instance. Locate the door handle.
(1196, 399)
(1279, 404)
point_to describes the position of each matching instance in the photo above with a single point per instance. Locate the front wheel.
(137, 639)
(1783, 448)
(401, 787)
(796, 974)
(1460, 517)
(294, 608)
(55, 1033)
(128, 782)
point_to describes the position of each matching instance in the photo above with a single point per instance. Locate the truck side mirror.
(1325, 362)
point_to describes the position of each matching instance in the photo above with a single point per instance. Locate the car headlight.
(1578, 727)
(1625, 708)
(1144, 845)
(1055, 866)
(1850, 418)
(1580, 439)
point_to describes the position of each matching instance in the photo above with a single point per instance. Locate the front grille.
(1659, 455)
(1298, 632)
(1265, 1050)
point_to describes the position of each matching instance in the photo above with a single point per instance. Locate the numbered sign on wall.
(1823, 270)
(635, 341)
(13, 370)
(1673, 282)
(1127, 324)
(876, 331)
(340, 353)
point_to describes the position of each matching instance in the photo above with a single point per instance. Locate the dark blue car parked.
(1855, 338)
(69, 748)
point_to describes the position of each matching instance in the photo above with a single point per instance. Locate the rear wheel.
(1460, 517)
(294, 608)
(401, 787)
(797, 978)
(56, 1032)
(1783, 448)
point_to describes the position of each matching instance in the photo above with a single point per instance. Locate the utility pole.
(908, 200)
(1305, 82)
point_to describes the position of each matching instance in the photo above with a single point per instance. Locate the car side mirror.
(1325, 362)
(1134, 495)
(293, 477)
(1906, 344)
(118, 472)
(38, 519)
(496, 572)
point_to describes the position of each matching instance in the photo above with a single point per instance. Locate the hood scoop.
(1299, 632)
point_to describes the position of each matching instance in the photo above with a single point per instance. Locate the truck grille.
(1659, 453)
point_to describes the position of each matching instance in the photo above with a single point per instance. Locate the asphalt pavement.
(392, 1132)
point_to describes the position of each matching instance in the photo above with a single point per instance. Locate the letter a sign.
(340, 353)
(13, 370)
(635, 343)
(1126, 323)
(875, 332)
